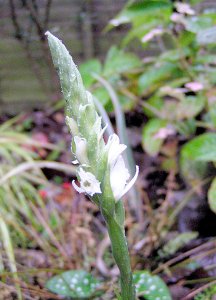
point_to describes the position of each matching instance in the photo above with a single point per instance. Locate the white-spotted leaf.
(74, 284)
(152, 287)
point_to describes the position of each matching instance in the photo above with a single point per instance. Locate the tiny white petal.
(194, 86)
(75, 162)
(118, 177)
(77, 188)
(131, 183)
(177, 18)
(115, 148)
(119, 21)
(184, 8)
(115, 22)
(164, 132)
(102, 132)
(151, 34)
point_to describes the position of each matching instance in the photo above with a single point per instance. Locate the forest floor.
(171, 231)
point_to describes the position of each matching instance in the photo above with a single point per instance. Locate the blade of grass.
(38, 165)
(6, 240)
(7, 124)
(49, 232)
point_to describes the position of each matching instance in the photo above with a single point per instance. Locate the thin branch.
(18, 33)
(34, 15)
(47, 14)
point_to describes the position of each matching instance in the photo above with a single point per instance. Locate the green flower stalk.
(101, 171)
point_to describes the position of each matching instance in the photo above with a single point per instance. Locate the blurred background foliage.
(156, 62)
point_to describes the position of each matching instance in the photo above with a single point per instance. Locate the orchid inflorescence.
(119, 174)
(101, 172)
(88, 146)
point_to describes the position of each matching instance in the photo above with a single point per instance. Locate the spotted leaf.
(74, 284)
(150, 286)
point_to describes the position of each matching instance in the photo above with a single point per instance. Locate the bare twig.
(47, 13)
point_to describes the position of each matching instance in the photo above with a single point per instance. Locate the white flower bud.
(80, 149)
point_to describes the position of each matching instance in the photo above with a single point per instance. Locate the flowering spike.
(102, 173)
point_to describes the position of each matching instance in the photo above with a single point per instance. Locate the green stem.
(120, 252)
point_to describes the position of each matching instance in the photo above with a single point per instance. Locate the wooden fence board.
(18, 83)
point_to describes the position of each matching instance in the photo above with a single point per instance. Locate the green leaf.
(207, 36)
(189, 107)
(118, 61)
(193, 2)
(212, 195)
(75, 284)
(102, 95)
(185, 39)
(195, 155)
(205, 59)
(87, 69)
(193, 171)
(175, 55)
(186, 127)
(126, 103)
(144, 15)
(139, 31)
(155, 103)
(201, 148)
(152, 287)
(199, 23)
(145, 7)
(155, 76)
(212, 113)
(150, 143)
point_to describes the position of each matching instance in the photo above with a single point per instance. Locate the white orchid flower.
(119, 174)
(88, 183)
(80, 150)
